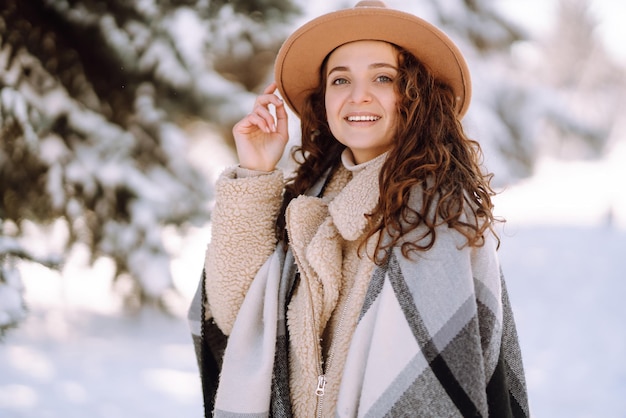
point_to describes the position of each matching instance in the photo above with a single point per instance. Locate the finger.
(250, 123)
(262, 106)
(268, 96)
(270, 88)
(268, 99)
(264, 113)
(261, 122)
(282, 122)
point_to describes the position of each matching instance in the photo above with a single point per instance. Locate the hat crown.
(297, 67)
(371, 3)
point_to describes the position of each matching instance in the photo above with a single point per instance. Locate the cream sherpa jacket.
(324, 236)
(426, 336)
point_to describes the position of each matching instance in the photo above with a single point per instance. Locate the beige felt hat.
(300, 57)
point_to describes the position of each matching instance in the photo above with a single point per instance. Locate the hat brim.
(298, 63)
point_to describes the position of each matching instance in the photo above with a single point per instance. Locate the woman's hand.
(261, 139)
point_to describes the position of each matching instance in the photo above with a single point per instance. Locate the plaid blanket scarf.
(427, 344)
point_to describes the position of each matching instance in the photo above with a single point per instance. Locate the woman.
(368, 283)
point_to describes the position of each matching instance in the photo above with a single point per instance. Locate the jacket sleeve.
(242, 238)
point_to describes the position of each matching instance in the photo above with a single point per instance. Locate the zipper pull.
(321, 384)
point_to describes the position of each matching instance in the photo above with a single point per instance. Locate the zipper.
(321, 378)
(323, 369)
(321, 385)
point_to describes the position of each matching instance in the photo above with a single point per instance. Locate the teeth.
(363, 118)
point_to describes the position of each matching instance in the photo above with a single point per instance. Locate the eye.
(339, 81)
(384, 79)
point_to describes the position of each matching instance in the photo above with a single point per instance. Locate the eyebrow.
(371, 66)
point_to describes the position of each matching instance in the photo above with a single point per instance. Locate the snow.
(76, 364)
(563, 255)
(11, 299)
(566, 285)
(188, 32)
(538, 14)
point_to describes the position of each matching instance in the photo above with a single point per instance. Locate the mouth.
(362, 118)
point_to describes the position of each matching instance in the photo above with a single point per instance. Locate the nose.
(360, 93)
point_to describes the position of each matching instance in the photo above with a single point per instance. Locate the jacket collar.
(319, 227)
(358, 197)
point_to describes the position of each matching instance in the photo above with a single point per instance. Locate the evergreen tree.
(93, 98)
(512, 100)
(95, 95)
(591, 83)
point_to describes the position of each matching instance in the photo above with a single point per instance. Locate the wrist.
(243, 172)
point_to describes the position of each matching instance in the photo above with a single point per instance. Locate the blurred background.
(115, 119)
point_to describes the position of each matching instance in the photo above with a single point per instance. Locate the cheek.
(392, 108)
(330, 103)
(333, 109)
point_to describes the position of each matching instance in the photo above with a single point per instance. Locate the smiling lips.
(363, 118)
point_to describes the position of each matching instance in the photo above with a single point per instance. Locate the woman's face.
(361, 98)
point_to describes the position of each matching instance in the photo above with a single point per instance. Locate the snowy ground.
(563, 252)
(76, 364)
(567, 288)
(564, 255)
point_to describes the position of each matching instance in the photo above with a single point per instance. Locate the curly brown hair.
(431, 153)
